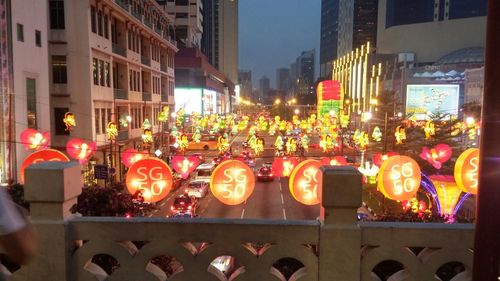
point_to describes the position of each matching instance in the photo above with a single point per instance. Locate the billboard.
(434, 99)
(189, 99)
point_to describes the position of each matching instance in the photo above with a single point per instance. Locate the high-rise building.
(305, 72)
(245, 81)
(282, 79)
(357, 24)
(428, 28)
(24, 87)
(264, 87)
(329, 35)
(220, 35)
(188, 16)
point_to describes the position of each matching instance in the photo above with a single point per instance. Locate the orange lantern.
(448, 193)
(232, 182)
(42, 156)
(399, 178)
(467, 170)
(152, 177)
(304, 182)
(80, 150)
(283, 167)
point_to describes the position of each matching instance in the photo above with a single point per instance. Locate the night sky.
(272, 33)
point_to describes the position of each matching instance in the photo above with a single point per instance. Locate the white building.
(188, 16)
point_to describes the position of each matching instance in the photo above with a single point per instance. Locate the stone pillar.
(51, 188)
(340, 235)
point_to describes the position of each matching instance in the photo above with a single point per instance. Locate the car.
(265, 173)
(207, 142)
(183, 215)
(184, 203)
(176, 181)
(197, 189)
(221, 158)
(200, 156)
(204, 172)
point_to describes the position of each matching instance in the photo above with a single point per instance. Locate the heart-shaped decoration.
(379, 158)
(80, 150)
(33, 139)
(130, 156)
(283, 166)
(185, 165)
(436, 156)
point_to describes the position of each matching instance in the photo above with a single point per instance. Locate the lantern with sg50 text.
(399, 178)
(42, 156)
(152, 177)
(232, 182)
(467, 170)
(304, 182)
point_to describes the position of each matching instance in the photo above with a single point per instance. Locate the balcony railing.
(146, 96)
(335, 247)
(123, 4)
(122, 135)
(136, 14)
(148, 23)
(120, 94)
(158, 30)
(164, 98)
(119, 50)
(145, 61)
(163, 68)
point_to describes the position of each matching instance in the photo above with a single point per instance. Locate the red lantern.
(399, 178)
(32, 139)
(152, 177)
(467, 170)
(283, 167)
(379, 158)
(304, 182)
(329, 90)
(184, 165)
(436, 156)
(232, 182)
(80, 150)
(335, 161)
(42, 156)
(130, 156)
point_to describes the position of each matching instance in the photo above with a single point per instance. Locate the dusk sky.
(272, 33)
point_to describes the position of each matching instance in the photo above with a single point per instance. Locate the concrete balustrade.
(336, 247)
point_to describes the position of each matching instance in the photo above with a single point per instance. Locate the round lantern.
(304, 182)
(152, 177)
(399, 178)
(467, 170)
(42, 156)
(232, 182)
(283, 166)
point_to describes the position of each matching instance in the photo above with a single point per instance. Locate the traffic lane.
(266, 202)
(163, 206)
(211, 207)
(293, 209)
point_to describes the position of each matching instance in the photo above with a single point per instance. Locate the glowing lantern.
(42, 156)
(379, 158)
(111, 131)
(152, 177)
(146, 124)
(437, 155)
(467, 169)
(130, 156)
(429, 129)
(370, 172)
(329, 94)
(283, 167)
(182, 142)
(32, 139)
(147, 136)
(377, 134)
(222, 145)
(335, 161)
(69, 121)
(448, 193)
(80, 150)
(184, 165)
(163, 115)
(232, 182)
(400, 134)
(304, 182)
(399, 178)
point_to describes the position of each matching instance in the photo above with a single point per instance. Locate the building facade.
(305, 72)
(329, 35)
(264, 87)
(110, 61)
(188, 16)
(24, 88)
(282, 79)
(245, 82)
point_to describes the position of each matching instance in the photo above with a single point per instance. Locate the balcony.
(148, 23)
(122, 136)
(146, 96)
(164, 98)
(158, 30)
(123, 4)
(145, 61)
(163, 68)
(119, 50)
(120, 94)
(136, 14)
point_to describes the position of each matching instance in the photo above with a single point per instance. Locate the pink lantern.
(283, 167)
(130, 156)
(436, 156)
(185, 165)
(80, 150)
(32, 139)
(379, 158)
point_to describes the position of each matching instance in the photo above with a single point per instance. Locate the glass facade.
(467, 8)
(400, 12)
(329, 30)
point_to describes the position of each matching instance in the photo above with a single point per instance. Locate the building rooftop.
(463, 56)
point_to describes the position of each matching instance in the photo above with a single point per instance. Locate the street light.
(277, 101)
(297, 111)
(294, 101)
(470, 120)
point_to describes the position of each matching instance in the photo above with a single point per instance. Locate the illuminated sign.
(42, 156)
(232, 182)
(304, 182)
(152, 177)
(467, 170)
(435, 99)
(190, 99)
(80, 150)
(399, 178)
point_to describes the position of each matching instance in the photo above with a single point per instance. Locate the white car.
(204, 172)
(197, 188)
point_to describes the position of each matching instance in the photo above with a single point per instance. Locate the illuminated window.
(31, 102)
(59, 70)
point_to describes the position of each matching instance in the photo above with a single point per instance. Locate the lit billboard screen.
(189, 99)
(209, 101)
(435, 99)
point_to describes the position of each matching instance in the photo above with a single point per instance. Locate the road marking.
(163, 204)
(284, 214)
(243, 213)
(282, 201)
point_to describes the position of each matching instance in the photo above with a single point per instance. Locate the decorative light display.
(147, 136)
(304, 182)
(414, 205)
(335, 161)
(182, 142)
(429, 129)
(400, 134)
(180, 117)
(232, 182)
(42, 156)
(258, 146)
(291, 146)
(377, 134)
(399, 178)
(111, 131)
(379, 158)
(327, 143)
(304, 142)
(146, 125)
(448, 193)
(436, 156)
(185, 165)
(467, 170)
(164, 114)
(222, 145)
(32, 139)
(152, 177)
(329, 97)
(283, 166)
(129, 156)
(279, 143)
(69, 121)
(370, 171)
(80, 150)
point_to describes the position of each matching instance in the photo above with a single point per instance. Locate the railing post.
(340, 235)
(51, 188)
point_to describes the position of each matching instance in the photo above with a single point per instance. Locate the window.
(99, 23)
(59, 126)
(56, 14)
(106, 29)
(108, 114)
(96, 120)
(20, 32)
(93, 19)
(101, 73)
(38, 38)
(31, 102)
(107, 74)
(59, 74)
(103, 119)
(95, 67)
